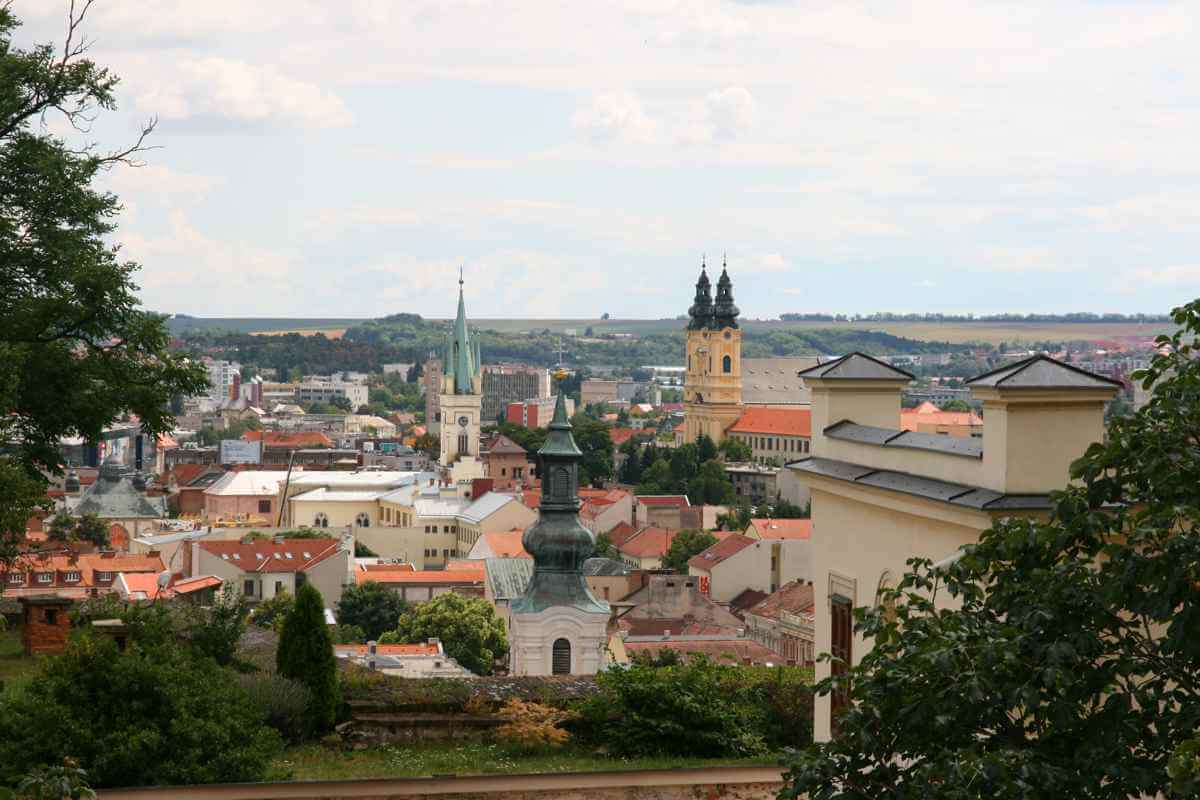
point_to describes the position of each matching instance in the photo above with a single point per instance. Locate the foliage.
(372, 607)
(686, 544)
(956, 405)
(468, 628)
(604, 548)
(349, 634)
(737, 518)
(306, 654)
(213, 436)
(1070, 666)
(734, 449)
(710, 485)
(214, 631)
(362, 551)
(76, 352)
(64, 781)
(696, 708)
(706, 448)
(133, 719)
(88, 528)
(784, 509)
(271, 613)
(631, 466)
(532, 725)
(595, 443)
(282, 702)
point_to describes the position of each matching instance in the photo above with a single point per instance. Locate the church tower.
(461, 397)
(712, 385)
(558, 627)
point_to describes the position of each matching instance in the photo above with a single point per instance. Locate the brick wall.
(45, 628)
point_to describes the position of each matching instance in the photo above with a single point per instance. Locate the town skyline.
(846, 158)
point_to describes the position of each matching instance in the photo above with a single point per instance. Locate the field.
(328, 333)
(318, 762)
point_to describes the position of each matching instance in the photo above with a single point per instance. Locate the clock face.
(463, 421)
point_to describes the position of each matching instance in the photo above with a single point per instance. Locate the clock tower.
(712, 385)
(461, 398)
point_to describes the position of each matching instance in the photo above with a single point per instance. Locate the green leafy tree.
(76, 351)
(305, 654)
(686, 544)
(214, 631)
(784, 509)
(371, 606)
(65, 529)
(468, 628)
(685, 463)
(604, 548)
(595, 443)
(657, 479)
(706, 448)
(64, 781)
(1070, 666)
(138, 718)
(955, 405)
(631, 467)
(710, 485)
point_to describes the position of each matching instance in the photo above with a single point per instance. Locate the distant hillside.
(181, 324)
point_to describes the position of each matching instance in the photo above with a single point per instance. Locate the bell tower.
(712, 386)
(461, 398)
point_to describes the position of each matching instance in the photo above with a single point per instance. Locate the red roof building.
(774, 434)
(779, 529)
(928, 418)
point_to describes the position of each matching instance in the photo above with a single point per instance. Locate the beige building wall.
(712, 383)
(340, 513)
(763, 566)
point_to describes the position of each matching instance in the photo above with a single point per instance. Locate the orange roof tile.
(388, 649)
(774, 421)
(298, 439)
(649, 542)
(796, 597)
(929, 414)
(190, 585)
(663, 500)
(783, 528)
(443, 576)
(716, 553)
(506, 544)
(264, 555)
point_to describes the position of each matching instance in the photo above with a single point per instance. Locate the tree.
(956, 405)
(685, 463)
(784, 509)
(76, 351)
(686, 544)
(604, 548)
(1072, 667)
(305, 654)
(271, 613)
(428, 444)
(657, 479)
(711, 485)
(67, 529)
(706, 448)
(371, 606)
(631, 467)
(594, 441)
(136, 718)
(468, 628)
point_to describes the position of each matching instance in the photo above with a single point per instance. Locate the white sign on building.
(236, 451)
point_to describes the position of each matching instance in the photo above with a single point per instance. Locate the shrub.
(134, 719)
(371, 606)
(214, 631)
(282, 702)
(348, 634)
(306, 654)
(271, 613)
(532, 726)
(698, 708)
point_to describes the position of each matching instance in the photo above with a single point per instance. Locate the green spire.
(461, 358)
(559, 442)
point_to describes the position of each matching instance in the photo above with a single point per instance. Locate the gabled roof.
(774, 421)
(1042, 372)
(506, 544)
(485, 506)
(795, 597)
(294, 439)
(197, 584)
(774, 381)
(856, 366)
(747, 599)
(265, 555)
(783, 528)
(664, 500)
(502, 445)
(715, 554)
(649, 542)
(621, 533)
(929, 414)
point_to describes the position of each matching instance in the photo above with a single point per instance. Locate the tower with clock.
(462, 390)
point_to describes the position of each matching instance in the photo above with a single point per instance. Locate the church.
(461, 400)
(719, 385)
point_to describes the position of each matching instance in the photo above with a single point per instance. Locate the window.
(462, 444)
(727, 364)
(264, 506)
(44, 577)
(278, 587)
(248, 589)
(363, 520)
(71, 577)
(320, 520)
(51, 616)
(16, 577)
(839, 648)
(445, 529)
(560, 660)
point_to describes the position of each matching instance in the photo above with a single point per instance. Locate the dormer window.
(71, 577)
(45, 577)
(237, 556)
(104, 576)
(288, 556)
(16, 577)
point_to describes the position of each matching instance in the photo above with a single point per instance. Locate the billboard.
(235, 451)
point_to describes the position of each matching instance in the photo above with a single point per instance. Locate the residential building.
(721, 648)
(278, 447)
(420, 586)
(779, 529)
(222, 376)
(245, 494)
(645, 547)
(427, 660)
(506, 544)
(937, 394)
(774, 435)
(504, 384)
(259, 569)
(534, 412)
(369, 423)
(882, 495)
(72, 575)
(738, 562)
(928, 418)
(674, 604)
(506, 463)
(600, 514)
(752, 481)
(664, 510)
(619, 392)
(330, 391)
(783, 623)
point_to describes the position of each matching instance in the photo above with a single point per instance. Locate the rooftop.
(774, 421)
(267, 555)
(664, 500)
(929, 414)
(719, 552)
(1042, 372)
(718, 648)
(261, 483)
(444, 577)
(795, 597)
(969, 447)
(649, 542)
(293, 439)
(856, 366)
(783, 528)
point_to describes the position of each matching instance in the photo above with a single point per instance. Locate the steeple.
(702, 307)
(724, 313)
(462, 355)
(558, 543)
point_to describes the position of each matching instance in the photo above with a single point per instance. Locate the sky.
(343, 159)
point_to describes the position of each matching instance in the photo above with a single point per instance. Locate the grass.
(15, 668)
(318, 762)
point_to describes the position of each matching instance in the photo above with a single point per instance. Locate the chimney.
(667, 634)
(857, 388)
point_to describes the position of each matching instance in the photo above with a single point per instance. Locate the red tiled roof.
(723, 549)
(502, 445)
(745, 599)
(664, 500)
(774, 421)
(388, 649)
(929, 414)
(189, 585)
(675, 626)
(620, 436)
(506, 544)
(145, 583)
(441, 576)
(388, 567)
(796, 597)
(621, 533)
(649, 542)
(264, 555)
(186, 473)
(86, 565)
(296, 439)
(782, 528)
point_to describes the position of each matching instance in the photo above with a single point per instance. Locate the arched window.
(560, 661)
(363, 520)
(462, 445)
(727, 364)
(321, 521)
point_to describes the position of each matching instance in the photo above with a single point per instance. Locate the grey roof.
(958, 494)
(1042, 372)
(856, 366)
(774, 381)
(890, 437)
(113, 496)
(603, 566)
(485, 506)
(508, 577)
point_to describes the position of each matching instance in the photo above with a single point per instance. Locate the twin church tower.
(712, 387)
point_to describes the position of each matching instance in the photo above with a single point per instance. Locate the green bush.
(271, 613)
(306, 654)
(282, 702)
(468, 628)
(348, 634)
(695, 708)
(371, 606)
(134, 719)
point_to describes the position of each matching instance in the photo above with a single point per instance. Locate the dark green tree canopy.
(686, 544)
(370, 606)
(305, 654)
(468, 627)
(1072, 667)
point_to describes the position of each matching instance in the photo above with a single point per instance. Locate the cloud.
(1017, 259)
(771, 262)
(616, 116)
(725, 114)
(229, 89)
(1169, 275)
